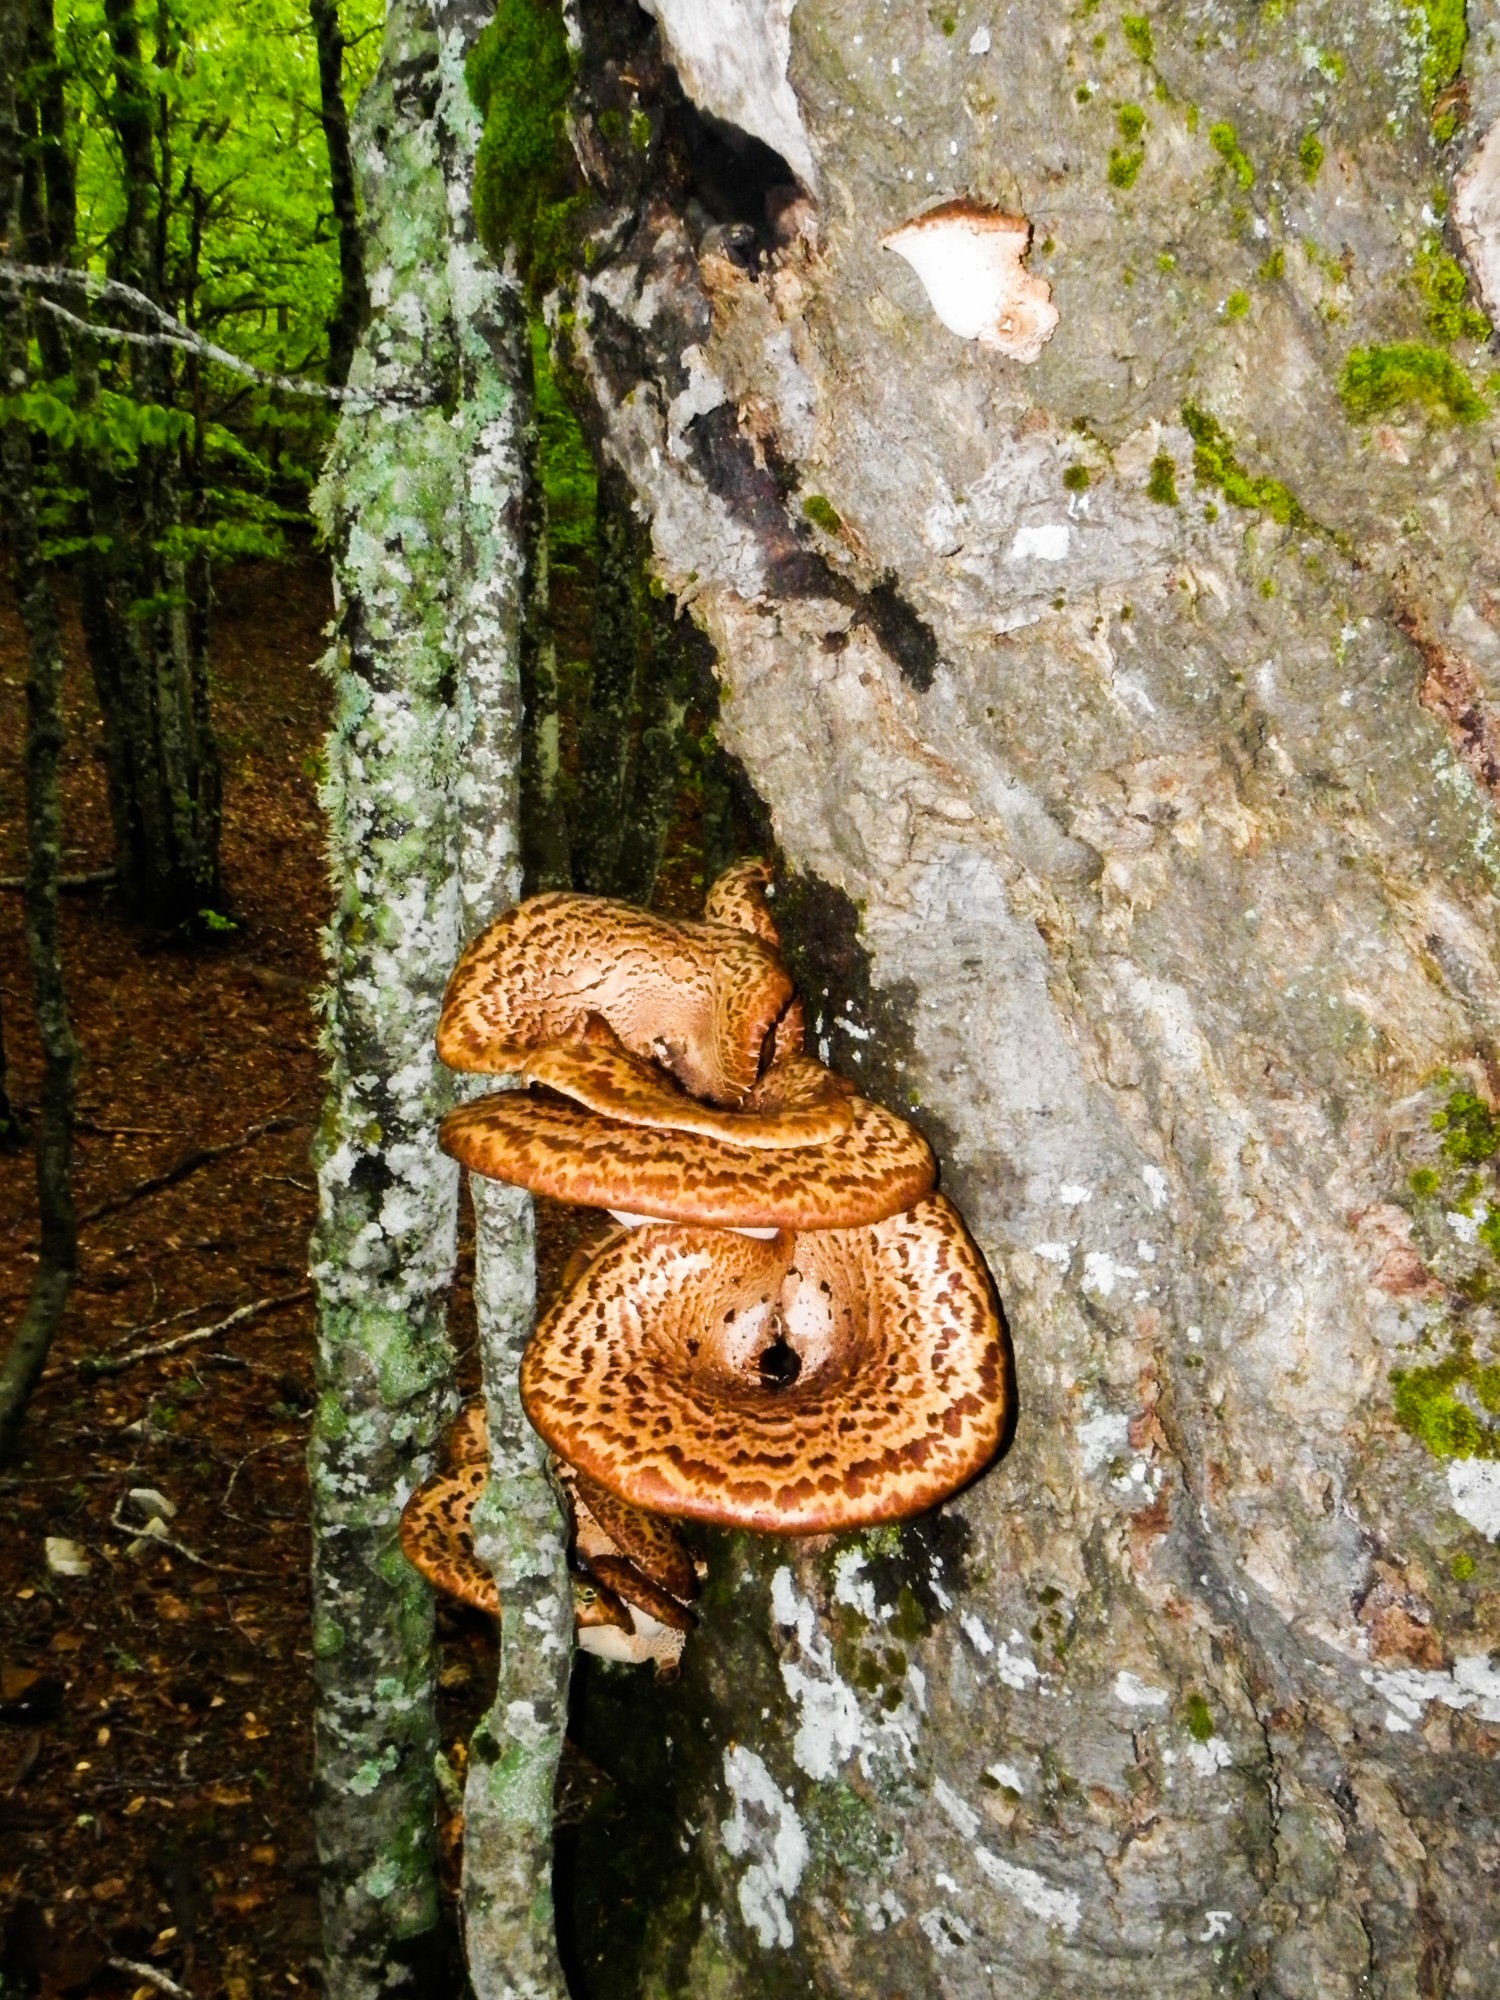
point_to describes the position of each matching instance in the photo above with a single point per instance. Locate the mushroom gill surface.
(825, 1380)
(701, 999)
(879, 1167)
(796, 1103)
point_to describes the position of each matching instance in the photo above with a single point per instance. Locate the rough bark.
(57, 1257)
(1124, 722)
(421, 499)
(354, 296)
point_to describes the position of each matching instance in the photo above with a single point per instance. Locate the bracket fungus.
(702, 999)
(630, 1602)
(971, 261)
(825, 1380)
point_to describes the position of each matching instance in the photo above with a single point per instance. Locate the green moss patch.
(519, 74)
(1162, 484)
(1447, 1406)
(1124, 166)
(1471, 1131)
(1446, 34)
(1137, 32)
(1198, 1717)
(1408, 375)
(1215, 464)
(1225, 142)
(823, 514)
(1310, 156)
(1444, 287)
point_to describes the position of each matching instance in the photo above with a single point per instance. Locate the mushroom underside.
(796, 1103)
(555, 1148)
(824, 1380)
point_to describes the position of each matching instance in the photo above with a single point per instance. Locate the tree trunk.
(422, 500)
(58, 1248)
(1127, 719)
(354, 297)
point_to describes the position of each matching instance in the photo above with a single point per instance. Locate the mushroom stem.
(520, 1531)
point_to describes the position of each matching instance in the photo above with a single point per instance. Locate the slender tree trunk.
(58, 1254)
(544, 819)
(607, 745)
(354, 298)
(422, 500)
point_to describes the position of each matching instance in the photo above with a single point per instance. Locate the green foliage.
(1311, 156)
(1378, 380)
(519, 74)
(1447, 1405)
(823, 514)
(1471, 1131)
(1162, 484)
(1137, 31)
(1444, 287)
(1445, 33)
(1225, 142)
(1215, 464)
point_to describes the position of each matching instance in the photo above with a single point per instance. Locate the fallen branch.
(191, 1161)
(94, 1365)
(92, 879)
(149, 1976)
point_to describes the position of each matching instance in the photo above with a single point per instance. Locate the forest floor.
(155, 1711)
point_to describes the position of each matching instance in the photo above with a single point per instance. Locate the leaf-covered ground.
(155, 1717)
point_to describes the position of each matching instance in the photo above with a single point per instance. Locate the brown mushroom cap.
(701, 999)
(738, 898)
(437, 1535)
(880, 1167)
(656, 1375)
(468, 1442)
(796, 1103)
(651, 1543)
(619, 1574)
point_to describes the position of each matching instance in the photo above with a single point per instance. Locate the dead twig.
(92, 878)
(191, 1161)
(94, 1365)
(150, 1976)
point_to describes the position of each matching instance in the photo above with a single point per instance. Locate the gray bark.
(1149, 863)
(423, 499)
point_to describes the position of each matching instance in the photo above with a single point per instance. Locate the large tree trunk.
(1128, 724)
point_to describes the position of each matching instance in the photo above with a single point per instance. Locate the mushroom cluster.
(793, 1333)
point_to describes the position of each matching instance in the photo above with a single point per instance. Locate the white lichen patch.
(970, 261)
(1130, 1689)
(1032, 1891)
(1045, 541)
(832, 1727)
(1102, 1438)
(1211, 1757)
(763, 1828)
(1472, 1686)
(1474, 1488)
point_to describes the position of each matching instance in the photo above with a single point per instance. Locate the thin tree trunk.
(544, 820)
(354, 298)
(421, 500)
(58, 1256)
(606, 749)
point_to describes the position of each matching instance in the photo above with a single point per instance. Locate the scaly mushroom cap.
(701, 999)
(468, 1442)
(437, 1535)
(796, 1103)
(619, 1574)
(738, 898)
(821, 1381)
(651, 1543)
(880, 1167)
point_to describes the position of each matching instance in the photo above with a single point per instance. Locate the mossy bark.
(420, 499)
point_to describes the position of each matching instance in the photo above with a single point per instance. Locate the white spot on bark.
(1006, 1775)
(1136, 1693)
(969, 259)
(979, 42)
(1207, 1758)
(1102, 1438)
(1473, 1684)
(958, 1810)
(1047, 542)
(1032, 1891)
(1071, 1195)
(764, 1826)
(975, 1633)
(1474, 1487)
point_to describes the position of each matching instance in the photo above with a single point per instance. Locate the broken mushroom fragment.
(604, 1524)
(821, 1381)
(970, 260)
(738, 899)
(555, 1148)
(796, 1103)
(701, 999)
